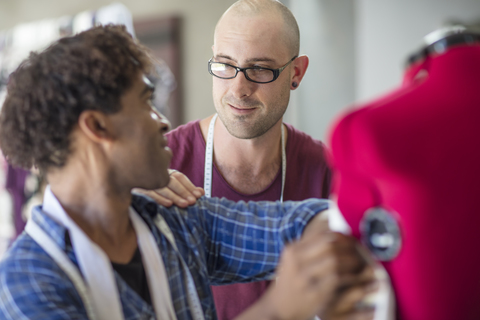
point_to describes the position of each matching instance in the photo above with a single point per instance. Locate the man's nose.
(162, 121)
(241, 86)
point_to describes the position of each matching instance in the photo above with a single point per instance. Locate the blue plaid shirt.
(221, 242)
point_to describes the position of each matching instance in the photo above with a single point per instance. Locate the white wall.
(199, 19)
(356, 47)
(357, 50)
(388, 31)
(327, 37)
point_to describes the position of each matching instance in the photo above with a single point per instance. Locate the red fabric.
(307, 177)
(416, 152)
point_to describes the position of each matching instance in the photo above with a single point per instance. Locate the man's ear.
(300, 66)
(96, 126)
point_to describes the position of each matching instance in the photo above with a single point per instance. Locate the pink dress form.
(415, 153)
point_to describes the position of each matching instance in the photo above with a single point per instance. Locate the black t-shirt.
(134, 275)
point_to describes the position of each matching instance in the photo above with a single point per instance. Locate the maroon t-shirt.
(307, 177)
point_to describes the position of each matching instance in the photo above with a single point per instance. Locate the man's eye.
(259, 70)
(219, 66)
(150, 102)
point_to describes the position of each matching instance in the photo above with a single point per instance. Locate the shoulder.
(28, 278)
(368, 122)
(24, 256)
(302, 142)
(185, 225)
(346, 136)
(175, 217)
(302, 147)
(187, 144)
(308, 171)
(178, 218)
(187, 132)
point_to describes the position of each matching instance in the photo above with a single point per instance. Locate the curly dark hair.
(49, 91)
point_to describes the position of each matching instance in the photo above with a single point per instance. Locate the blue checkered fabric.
(221, 242)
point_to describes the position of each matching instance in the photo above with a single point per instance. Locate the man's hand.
(180, 191)
(322, 274)
(355, 302)
(355, 270)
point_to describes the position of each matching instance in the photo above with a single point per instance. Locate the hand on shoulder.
(180, 191)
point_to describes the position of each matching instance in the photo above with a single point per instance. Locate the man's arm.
(242, 241)
(33, 287)
(319, 272)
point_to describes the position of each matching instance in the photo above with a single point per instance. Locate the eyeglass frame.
(276, 72)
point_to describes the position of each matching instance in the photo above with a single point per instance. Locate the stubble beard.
(255, 125)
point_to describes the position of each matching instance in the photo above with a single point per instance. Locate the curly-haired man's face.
(140, 156)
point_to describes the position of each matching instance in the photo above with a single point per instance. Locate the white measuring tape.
(207, 179)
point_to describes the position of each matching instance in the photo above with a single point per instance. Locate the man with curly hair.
(81, 112)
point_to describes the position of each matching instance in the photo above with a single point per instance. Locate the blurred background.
(357, 51)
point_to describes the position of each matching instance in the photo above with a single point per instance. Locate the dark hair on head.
(49, 90)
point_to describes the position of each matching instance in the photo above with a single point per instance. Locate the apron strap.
(63, 261)
(192, 295)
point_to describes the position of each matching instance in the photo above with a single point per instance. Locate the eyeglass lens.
(225, 71)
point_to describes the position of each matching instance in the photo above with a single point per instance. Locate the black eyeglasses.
(254, 74)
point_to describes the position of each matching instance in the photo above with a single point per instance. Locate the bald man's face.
(249, 109)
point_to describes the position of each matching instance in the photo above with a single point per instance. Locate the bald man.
(247, 152)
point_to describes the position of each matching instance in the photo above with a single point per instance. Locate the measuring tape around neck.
(207, 180)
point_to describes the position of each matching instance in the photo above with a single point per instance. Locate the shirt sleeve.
(243, 241)
(32, 287)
